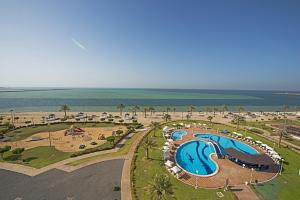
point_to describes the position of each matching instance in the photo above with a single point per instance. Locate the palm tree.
(188, 117)
(121, 107)
(168, 110)
(285, 109)
(224, 109)
(174, 109)
(151, 109)
(167, 117)
(12, 116)
(161, 187)
(65, 108)
(207, 109)
(155, 126)
(209, 118)
(148, 144)
(191, 109)
(136, 108)
(215, 109)
(297, 109)
(145, 112)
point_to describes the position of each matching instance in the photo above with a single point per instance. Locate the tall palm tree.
(148, 144)
(224, 109)
(167, 117)
(161, 188)
(191, 109)
(188, 117)
(151, 110)
(155, 126)
(215, 109)
(240, 110)
(65, 108)
(168, 110)
(136, 108)
(121, 107)
(145, 112)
(285, 109)
(174, 110)
(210, 118)
(12, 116)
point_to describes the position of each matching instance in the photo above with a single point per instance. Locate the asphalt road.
(89, 183)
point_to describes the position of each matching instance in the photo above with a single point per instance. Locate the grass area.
(22, 133)
(145, 170)
(38, 157)
(285, 186)
(122, 151)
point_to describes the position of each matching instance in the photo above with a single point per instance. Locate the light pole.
(49, 134)
(252, 169)
(196, 179)
(281, 166)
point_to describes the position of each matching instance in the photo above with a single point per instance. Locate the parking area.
(96, 181)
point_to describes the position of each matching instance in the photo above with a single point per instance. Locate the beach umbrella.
(249, 138)
(166, 148)
(204, 124)
(170, 140)
(238, 134)
(234, 133)
(276, 156)
(167, 135)
(166, 155)
(258, 142)
(169, 163)
(165, 129)
(175, 169)
(167, 143)
(269, 148)
(263, 145)
(174, 124)
(181, 124)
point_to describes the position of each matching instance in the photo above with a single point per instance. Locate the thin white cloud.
(78, 44)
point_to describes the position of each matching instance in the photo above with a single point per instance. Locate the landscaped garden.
(285, 186)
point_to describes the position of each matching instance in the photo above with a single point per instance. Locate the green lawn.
(38, 157)
(145, 170)
(122, 151)
(283, 187)
(22, 133)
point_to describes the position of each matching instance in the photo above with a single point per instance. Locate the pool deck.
(236, 174)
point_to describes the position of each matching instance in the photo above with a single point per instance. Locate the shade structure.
(165, 129)
(169, 163)
(175, 169)
(167, 135)
(263, 145)
(182, 124)
(273, 152)
(166, 148)
(170, 140)
(238, 134)
(204, 124)
(166, 155)
(276, 156)
(249, 138)
(174, 124)
(258, 142)
(167, 143)
(234, 133)
(269, 148)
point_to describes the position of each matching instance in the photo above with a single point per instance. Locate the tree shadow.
(13, 157)
(29, 159)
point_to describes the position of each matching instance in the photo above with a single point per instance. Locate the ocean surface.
(92, 99)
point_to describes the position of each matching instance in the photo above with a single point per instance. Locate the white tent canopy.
(258, 142)
(249, 138)
(175, 169)
(169, 163)
(263, 145)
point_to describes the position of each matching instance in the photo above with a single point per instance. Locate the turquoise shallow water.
(93, 99)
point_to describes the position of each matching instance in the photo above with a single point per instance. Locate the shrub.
(119, 132)
(102, 137)
(18, 151)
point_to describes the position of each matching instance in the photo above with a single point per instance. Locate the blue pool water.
(225, 142)
(195, 155)
(177, 135)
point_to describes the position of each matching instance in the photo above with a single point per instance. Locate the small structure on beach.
(74, 131)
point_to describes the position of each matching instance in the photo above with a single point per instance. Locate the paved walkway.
(30, 171)
(244, 192)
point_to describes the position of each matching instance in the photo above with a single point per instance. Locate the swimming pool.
(225, 142)
(177, 135)
(194, 156)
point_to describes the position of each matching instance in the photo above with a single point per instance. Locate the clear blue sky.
(155, 43)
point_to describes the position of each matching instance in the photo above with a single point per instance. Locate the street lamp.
(281, 166)
(252, 169)
(196, 179)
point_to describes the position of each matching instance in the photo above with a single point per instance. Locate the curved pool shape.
(225, 142)
(195, 155)
(177, 135)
